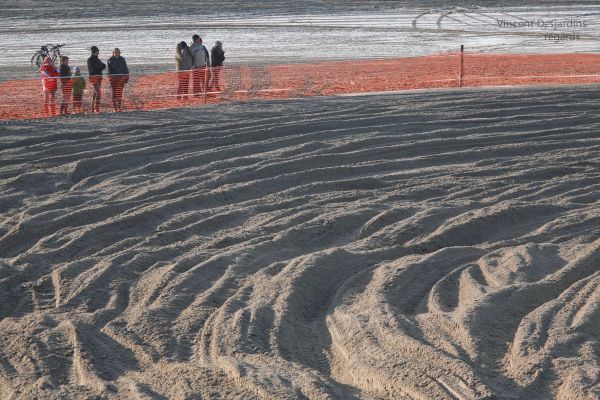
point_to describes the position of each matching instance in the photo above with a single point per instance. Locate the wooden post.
(207, 71)
(462, 65)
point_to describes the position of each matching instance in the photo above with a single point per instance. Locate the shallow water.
(282, 32)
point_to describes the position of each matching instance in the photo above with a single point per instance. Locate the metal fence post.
(462, 65)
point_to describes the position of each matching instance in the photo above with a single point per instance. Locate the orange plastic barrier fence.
(22, 99)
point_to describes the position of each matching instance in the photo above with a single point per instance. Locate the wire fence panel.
(23, 99)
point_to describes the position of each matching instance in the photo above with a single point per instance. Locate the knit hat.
(47, 60)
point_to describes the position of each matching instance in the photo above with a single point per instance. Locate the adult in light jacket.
(200, 63)
(183, 64)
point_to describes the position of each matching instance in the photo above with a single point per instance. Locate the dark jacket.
(65, 70)
(217, 56)
(95, 66)
(117, 66)
(65, 76)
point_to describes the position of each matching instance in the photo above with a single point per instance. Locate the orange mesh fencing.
(22, 99)
(531, 69)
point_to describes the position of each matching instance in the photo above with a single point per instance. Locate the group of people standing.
(118, 77)
(205, 69)
(73, 84)
(194, 60)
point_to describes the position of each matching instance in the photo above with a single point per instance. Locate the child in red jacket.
(49, 85)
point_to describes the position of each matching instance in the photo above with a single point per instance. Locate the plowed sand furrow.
(415, 246)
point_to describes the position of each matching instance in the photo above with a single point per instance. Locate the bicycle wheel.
(37, 60)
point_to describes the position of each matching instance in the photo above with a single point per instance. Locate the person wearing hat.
(49, 86)
(118, 75)
(183, 65)
(77, 85)
(95, 68)
(217, 57)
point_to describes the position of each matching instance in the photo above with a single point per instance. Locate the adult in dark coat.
(217, 57)
(95, 68)
(118, 75)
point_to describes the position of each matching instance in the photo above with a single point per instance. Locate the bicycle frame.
(47, 50)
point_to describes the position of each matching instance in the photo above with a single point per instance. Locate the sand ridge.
(424, 245)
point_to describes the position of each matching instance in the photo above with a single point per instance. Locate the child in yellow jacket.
(78, 87)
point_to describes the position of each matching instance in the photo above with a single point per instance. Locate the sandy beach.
(423, 245)
(429, 244)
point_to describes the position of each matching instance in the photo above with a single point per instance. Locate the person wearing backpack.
(95, 68)
(183, 65)
(49, 86)
(78, 85)
(200, 62)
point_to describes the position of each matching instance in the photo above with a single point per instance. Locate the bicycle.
(53, 51)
